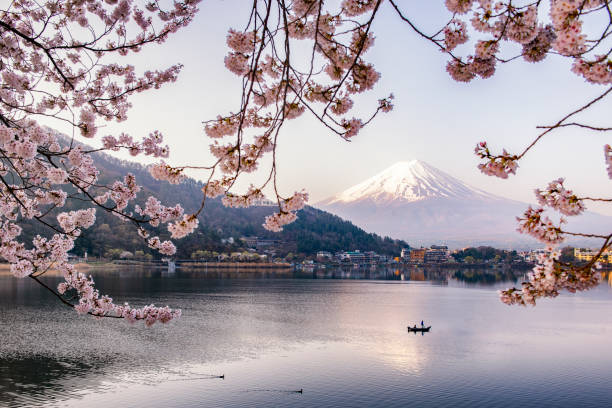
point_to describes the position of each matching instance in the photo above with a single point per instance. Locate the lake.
(338, 336)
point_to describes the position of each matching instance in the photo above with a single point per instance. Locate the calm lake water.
(338, 336)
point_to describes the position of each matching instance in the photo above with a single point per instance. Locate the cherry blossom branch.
(560, 122)
(49, 71)
(600, 129)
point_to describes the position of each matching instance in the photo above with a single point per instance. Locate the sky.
(435, 119)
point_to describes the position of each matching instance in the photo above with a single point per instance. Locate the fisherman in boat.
(422, 323)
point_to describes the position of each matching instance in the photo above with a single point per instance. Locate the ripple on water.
(343, 342)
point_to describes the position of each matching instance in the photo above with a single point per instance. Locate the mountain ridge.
(423, 205)
(314, 230)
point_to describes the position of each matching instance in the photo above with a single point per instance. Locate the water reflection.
(338, 334)
(33, 381)
(407, 357)
(608, 275)
(436, 274)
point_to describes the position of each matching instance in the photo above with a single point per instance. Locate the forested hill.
(315, 230)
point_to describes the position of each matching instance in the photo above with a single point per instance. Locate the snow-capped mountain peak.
(408, 181)
(416, 202)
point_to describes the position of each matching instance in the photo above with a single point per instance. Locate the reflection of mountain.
(417, 202)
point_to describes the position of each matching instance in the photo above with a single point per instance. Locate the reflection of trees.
(437, 274)
(53, 376)
(487, 276)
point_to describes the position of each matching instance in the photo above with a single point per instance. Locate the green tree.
(114, 253)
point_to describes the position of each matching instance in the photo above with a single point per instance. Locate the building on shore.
(532, 256)
(437, 254)
(323, 256)
(418, 255)
(355, 257)
(360, 258)
(587, 254)
(433, 254)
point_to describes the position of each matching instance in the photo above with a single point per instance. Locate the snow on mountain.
(423, 205)
(408, 182)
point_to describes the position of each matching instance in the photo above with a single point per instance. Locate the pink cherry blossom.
(548, 278)
(608, 159)
(562, 200)
(540, 227)
(184, 227)
(500, 166)
(455, 34)
(459, 6)
(276, 221)
(51, 70)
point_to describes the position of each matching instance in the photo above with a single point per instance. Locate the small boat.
(418, 329)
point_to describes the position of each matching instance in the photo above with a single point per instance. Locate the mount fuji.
(423, 205)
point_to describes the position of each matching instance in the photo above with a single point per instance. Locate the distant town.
(269, 252)
(440, 254)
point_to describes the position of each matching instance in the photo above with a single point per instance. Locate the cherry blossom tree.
(54, 65)
(293, 58)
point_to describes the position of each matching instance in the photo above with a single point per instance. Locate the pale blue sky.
(435, 119)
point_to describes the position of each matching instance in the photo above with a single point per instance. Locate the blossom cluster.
(286, 215)
(163, 171)
(49, 70)
(214, 189)
(521, 24)
(275, 91)
(164, 247)
(459, 6)
(91, 302)
(540, 227)
(355, 8)
(159, 213)
(39, 44)
(504, 21)
(500, 166)
(276, 221)
(296, 202)
(150, 145)
(562, 200)
(183, 227)
(608, 159)
(455, 34)
(44, 254)
(245, 200)
(537, 49)
(73, 221)
(549, 277)
(598, 71)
